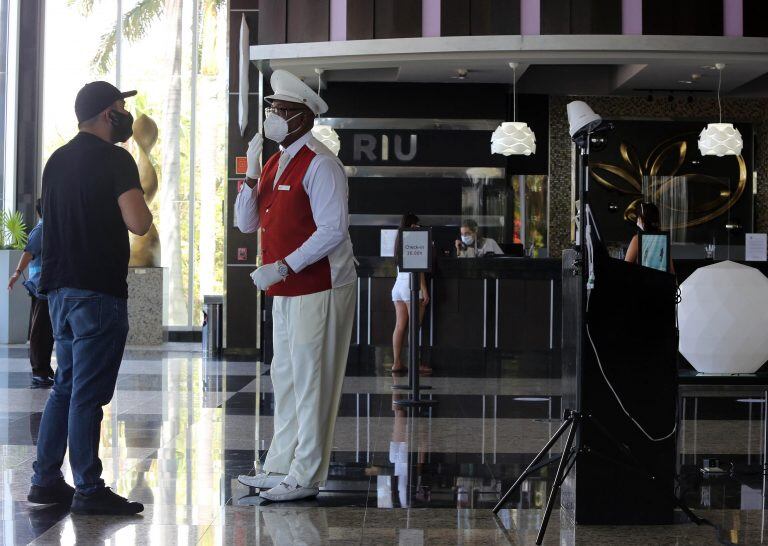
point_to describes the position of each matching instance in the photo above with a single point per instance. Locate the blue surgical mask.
(467, 239)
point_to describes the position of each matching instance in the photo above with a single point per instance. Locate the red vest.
(287, 222)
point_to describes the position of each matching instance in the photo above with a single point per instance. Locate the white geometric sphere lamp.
(722, 319)
(513, 138)
(720, 139)
(329, 137)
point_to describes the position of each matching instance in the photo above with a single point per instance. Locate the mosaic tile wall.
(561, 158)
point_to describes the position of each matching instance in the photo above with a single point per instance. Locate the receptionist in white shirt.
(472, 245)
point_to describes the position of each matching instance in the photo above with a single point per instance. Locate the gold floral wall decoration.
(666, 166)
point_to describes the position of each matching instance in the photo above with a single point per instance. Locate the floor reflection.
(181, 428)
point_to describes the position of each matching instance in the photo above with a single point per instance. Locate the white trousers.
(311, 336)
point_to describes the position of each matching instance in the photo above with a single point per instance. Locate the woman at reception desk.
(472, 245)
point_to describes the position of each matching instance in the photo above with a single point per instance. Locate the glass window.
(508, 210)
(174, 55)
(531, 211)
(3, 91)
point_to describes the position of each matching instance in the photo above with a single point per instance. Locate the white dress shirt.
(475, 251)
(326, 185)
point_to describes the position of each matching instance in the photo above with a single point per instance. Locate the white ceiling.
(591, 65)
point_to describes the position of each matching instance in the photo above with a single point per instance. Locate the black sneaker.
(41, 382)
(59, 493)
(104, 502)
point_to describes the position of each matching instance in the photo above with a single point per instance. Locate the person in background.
(648, 221)
(92, 197)
(401, 298)
(40, 332)
(471, 245)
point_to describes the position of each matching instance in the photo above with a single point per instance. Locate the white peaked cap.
(289, 88)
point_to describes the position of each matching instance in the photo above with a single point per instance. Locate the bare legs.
(401, 329)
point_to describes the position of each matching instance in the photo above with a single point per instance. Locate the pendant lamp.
(325, 133)
(720, 139)
(513, 137)
(328, 136)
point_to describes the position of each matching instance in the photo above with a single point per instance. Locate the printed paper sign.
(756, 247)
(415, 250)
(388, 238)
(241, 164)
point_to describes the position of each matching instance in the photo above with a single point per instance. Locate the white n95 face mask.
(276, 128)
(467, 239)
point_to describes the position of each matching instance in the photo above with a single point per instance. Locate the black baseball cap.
(96, 97)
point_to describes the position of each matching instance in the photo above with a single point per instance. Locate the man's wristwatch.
(282, 268)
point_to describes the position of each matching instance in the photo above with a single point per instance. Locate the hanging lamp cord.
(719, 104)
(514, 94)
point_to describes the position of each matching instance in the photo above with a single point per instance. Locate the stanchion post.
(415, 258)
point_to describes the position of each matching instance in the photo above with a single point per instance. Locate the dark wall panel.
(272, 21)
(308, 21)
(397, 18)
(581, 16)
(240, 295)
(684, 17)
(455, 17)
(360, 20)
(756, 18)
(555, 16)
(596, 17)
(241, 309)
(243, 4)
(491, 17)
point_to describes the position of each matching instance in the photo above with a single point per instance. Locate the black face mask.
(122, 126)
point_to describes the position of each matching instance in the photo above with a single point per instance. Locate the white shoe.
(262, 480)
(289, 490)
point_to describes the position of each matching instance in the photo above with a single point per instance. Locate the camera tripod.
(573, 422)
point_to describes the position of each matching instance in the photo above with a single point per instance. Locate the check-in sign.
(416, 250)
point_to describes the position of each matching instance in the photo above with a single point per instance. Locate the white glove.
(254, 157)
(266, 276)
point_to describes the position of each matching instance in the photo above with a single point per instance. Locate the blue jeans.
(90, 330)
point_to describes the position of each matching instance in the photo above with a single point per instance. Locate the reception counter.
(504, 306)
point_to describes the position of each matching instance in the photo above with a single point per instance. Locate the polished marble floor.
(181, 428)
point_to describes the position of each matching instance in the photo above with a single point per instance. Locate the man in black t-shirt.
(91, 199)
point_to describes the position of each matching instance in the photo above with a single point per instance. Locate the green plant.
(13, 231)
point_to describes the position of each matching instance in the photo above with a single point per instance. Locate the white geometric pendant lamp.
(513, 137)
(722, 318)
(328, 136)
(325, 133)
(720, 139)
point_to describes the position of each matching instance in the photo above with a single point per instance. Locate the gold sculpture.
(145, 249)
(669, 155)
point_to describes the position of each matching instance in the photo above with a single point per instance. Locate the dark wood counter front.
(479, 306)
(506, 304)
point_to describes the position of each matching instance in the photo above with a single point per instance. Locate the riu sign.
(395, 148)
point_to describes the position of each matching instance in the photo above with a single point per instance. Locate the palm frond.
(13, 231)
(138, 20)
(85, 7)
(136, 23)
(102, 61)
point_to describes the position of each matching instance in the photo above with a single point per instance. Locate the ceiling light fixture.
(325, 133)
(513, 138)
(720, 138)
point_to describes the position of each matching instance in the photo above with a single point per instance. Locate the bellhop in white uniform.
(300, 206)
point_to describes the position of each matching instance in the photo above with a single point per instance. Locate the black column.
(29, 107)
